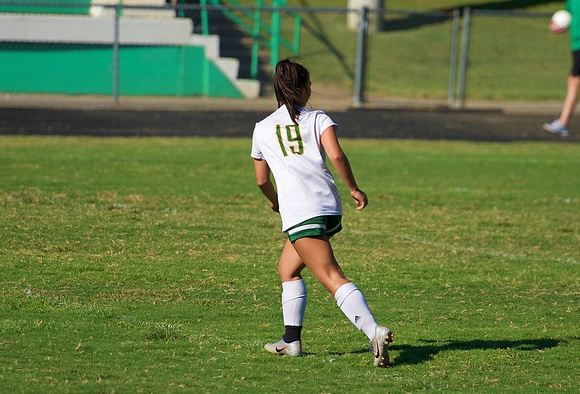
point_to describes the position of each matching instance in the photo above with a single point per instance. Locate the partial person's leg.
(570, 100)
(559, 127)
(290, 264)
(293, 292)
(294, 299)
(317, 254)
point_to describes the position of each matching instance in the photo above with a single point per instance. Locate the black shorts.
(576, 65)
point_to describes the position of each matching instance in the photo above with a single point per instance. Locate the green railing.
(270, 36)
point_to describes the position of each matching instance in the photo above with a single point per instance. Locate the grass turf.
(149, 265)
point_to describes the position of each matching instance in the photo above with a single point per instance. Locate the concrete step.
(89, 30)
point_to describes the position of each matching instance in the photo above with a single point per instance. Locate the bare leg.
(570, 100)
(316, 254)
(290, 264)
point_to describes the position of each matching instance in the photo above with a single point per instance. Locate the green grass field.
(148, 265)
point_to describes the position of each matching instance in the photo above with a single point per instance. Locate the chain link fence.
(466, 55)
(448, 57)
(513, 56)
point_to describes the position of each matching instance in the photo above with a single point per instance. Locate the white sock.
(353, 304)
(293, 302)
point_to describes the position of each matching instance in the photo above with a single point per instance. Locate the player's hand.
(360, 198)
(556, 29)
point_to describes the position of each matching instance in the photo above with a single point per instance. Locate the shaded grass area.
(150, 264)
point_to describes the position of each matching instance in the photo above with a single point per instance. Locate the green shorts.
(319, 225)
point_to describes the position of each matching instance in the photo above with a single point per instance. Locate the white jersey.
(295, 155)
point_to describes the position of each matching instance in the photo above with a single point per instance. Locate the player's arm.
(341, 164)
(264, 181)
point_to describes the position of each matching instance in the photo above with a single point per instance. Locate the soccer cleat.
(379, 346)
(281, 347)
(556, 128)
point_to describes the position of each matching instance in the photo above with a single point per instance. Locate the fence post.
(256, 40)
(464, 55)
(275, 38)
(117, 8)
(360, 61)
(453, 59)
(296, 43)
(204, 18)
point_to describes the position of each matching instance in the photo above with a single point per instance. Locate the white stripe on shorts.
(334, 228)
(305, 227)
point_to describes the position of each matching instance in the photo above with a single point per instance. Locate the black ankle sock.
(292, 333)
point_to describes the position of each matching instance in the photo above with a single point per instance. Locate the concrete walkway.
(327, 99)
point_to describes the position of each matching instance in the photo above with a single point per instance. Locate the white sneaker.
(556, 128)
(281, 347)
(379, 346)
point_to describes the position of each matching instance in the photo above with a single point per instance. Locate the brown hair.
(289, 78)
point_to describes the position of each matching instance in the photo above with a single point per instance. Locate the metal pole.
(204, 18)
(256, 40)
(453, 59)
(359, 72)
(116, 55)
(464, 55)
(275, 38)
(296, 43)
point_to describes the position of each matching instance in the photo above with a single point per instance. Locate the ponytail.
(289, 78)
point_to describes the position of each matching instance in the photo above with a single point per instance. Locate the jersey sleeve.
(323, 121)
(256, 151)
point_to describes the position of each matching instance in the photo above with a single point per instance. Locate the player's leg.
(316, 252)
(290, 264)
(559, 127)
(294, 299)
(293, 292)
(570, 100)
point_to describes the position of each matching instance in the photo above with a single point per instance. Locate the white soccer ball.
(562, 19)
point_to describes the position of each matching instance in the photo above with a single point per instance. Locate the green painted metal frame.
(269, 36)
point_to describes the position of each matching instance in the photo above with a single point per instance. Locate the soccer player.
(559, 127)
(292, 144)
